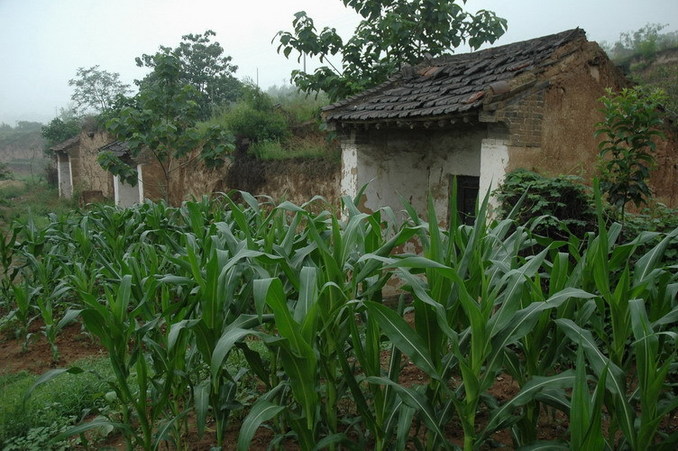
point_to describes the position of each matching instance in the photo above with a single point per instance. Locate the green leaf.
(224, 346)
(414, 399)
(403, 336)
(260, 412)
(201, 399)
(48, 376)
(502, 417)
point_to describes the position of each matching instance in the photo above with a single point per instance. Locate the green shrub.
(53, 406)
(561, 204)
(301, 106)
(247, 121)
(308, 147)
(657, 218)
(5, 172)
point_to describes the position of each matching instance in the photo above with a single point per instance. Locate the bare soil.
(75, 344)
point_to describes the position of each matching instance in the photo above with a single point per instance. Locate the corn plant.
(24, 311)
(171, 293)
(8, 267)
(315, 314)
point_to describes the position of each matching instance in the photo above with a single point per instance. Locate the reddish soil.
(72, 344)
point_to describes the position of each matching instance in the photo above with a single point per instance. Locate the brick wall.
(524, 119)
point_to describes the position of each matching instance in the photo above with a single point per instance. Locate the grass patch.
(30, 196)
(52, 407)
(309, 147)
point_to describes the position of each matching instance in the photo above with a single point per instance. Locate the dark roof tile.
(452, 84)
(117, 148)
(64, 145)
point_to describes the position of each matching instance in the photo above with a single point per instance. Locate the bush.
(562, 205)
(258, 125)
(657, 218)
(310, 146)
(51, 407)
(5, 172)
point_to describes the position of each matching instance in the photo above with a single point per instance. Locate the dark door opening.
(468, 188)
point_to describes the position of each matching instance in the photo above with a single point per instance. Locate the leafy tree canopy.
(645, 42)
(391, 34)
(202, 65)
(95, 90)
(632, 122)
(60, 129)
(162, 119)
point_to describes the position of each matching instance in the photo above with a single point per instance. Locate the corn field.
(585, 327)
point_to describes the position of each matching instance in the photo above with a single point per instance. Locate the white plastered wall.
(65, 176)
(494, 159)
(128, 195)
(407, 165)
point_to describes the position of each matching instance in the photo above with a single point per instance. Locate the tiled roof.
(447, 86)
(117, 148)
(65, 144)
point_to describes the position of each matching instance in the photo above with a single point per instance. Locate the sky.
(44, 42)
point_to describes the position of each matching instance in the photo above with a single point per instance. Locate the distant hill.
(21, 147)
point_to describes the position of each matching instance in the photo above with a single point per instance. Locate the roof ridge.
(449, 84)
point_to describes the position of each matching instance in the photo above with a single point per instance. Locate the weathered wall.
(299, 180)
(664, 176)
(88, 175)
(294, 180)
(409, 164)
(127, 195)
(192, 179)
(570, 113)
(570, 110)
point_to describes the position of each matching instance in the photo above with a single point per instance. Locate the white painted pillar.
(70, 177)
(116, 190)
(349, 167)
(140, 183)
(58, 169)
(494, 161)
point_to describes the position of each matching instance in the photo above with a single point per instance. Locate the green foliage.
(556, 206)
(258, 125)
(21, 199)
(280, 125)
(163, 119)
(301, 106)
(59, 130)
(657, 218)
(202, 65)
(644, 42)
(173, 293)
(639, 55)
(96, 90)
(632, 122)
(5, 172)
(309, 147)
(391, 34)
(52, 407)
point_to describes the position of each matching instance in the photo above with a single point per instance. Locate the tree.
(202, 65)
(58, 130)
(644, 42)
(162, 119)
(631, 124)
(391, 34)
(96, 90)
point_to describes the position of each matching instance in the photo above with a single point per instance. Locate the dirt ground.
(74, 344)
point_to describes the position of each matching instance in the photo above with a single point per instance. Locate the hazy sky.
(44, 42)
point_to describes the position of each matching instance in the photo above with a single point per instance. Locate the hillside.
(659, 70)
(21, 147)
